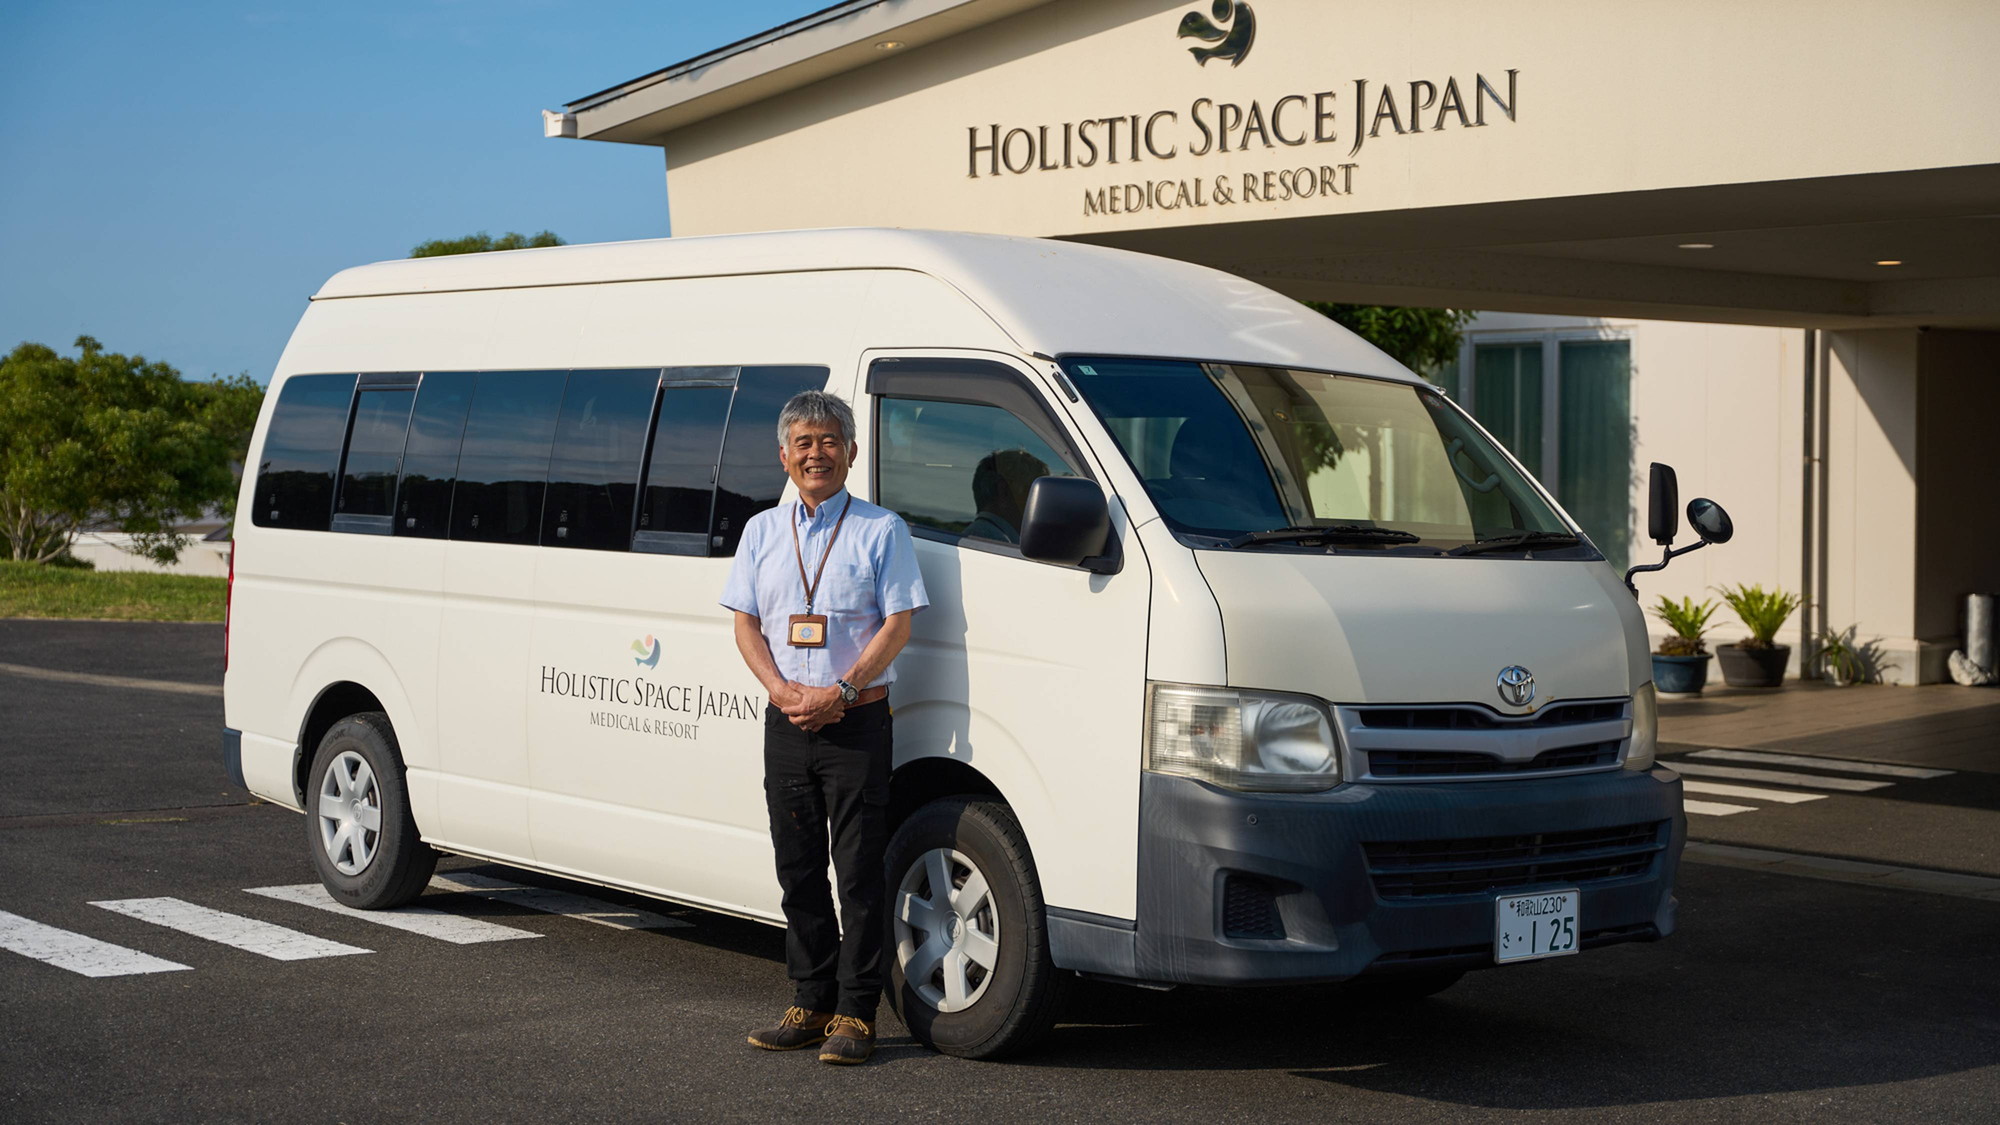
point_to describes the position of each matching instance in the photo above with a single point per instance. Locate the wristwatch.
(848, 692)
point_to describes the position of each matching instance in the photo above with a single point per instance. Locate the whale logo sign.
(648, 652)
(1232, 31)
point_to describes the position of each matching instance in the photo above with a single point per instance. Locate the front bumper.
(1238, 888)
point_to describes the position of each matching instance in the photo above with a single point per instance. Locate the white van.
(1251, 658)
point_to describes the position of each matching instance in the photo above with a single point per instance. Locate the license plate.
(1527, 927)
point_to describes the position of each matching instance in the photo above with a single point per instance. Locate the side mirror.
(1663, 521)
(1066, 521)
(1709, 520)
(1663, 511)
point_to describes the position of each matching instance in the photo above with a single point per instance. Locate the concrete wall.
(1608, 98)
(1724, 405)
(1721, 404)
(1958, 503)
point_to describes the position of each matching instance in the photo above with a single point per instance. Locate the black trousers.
(831, 785)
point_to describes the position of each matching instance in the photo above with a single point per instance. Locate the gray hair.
(815, 406)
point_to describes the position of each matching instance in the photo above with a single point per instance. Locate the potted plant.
(1757, 661)
(1680, 666)
(1839, 660)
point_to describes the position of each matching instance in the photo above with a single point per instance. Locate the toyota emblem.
(1517, 685)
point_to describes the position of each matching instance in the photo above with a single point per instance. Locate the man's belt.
(871, 695)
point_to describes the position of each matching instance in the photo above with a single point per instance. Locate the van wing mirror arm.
(1669, 556)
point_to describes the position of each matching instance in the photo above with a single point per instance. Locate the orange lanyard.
(812, 587)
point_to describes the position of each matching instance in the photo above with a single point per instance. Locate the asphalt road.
(1780, 999)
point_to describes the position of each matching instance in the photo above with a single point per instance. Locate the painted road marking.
(92, 678)
(1714, 808)
(555, 902)
(414, 919)
(1782, 796)
(1781, 777)
(75, 952)
(1839, 765)
(247, 934)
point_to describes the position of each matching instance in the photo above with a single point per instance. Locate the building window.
(1561, 402)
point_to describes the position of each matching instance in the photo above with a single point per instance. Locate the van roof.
(1050, 297)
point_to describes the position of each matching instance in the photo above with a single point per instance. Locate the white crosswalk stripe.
(555, 902)
(414, 919)
(247, 934)
(75, 952)
(1750, 792)
(1781, 777)
(1700, 765)
(1838, 765)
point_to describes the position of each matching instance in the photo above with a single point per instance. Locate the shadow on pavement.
(1815, 986)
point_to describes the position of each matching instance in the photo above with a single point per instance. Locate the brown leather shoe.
(799, 1028)
(849, 1042)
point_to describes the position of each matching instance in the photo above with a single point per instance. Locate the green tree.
(105, 441)
(1423, 340)
(482, 242)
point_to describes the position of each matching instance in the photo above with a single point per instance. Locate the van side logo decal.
(1232, 31)
(649, 652)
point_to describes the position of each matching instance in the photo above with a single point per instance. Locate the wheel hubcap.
(350, 813)
(947, 930)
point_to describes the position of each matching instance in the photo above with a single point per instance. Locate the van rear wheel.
(970, 972)
(358, 825)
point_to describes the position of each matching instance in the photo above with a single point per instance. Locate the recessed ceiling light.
(889, 44)
(1889, 262)
(1697, 245)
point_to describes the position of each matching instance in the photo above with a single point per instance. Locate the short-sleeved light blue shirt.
(871, 574)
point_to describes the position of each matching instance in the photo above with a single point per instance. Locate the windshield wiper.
(1338, 533)
(1518, 540)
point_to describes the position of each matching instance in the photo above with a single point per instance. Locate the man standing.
(823, 591)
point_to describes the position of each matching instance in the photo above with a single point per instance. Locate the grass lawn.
(31, 590)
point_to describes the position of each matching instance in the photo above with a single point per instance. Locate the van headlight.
(1252, 740)
(1645, 728)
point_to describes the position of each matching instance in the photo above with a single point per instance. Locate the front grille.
(1405, 869)
(1479, 718)
(1431, 763)
(1250, 909)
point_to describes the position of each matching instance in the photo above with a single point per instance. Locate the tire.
(356, 778)
(971, 998)
(1401, 988)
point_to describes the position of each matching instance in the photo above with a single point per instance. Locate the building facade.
(1758, 242)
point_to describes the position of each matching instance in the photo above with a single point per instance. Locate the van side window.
(751, 479)
(594, 471)
(374, 457)
(959, 468)
(680, 477)
(302, 452)
(430, 459)
(503, 467)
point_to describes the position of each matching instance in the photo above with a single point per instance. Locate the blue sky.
(181, 177)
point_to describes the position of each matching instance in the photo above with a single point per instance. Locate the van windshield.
(1277, 458)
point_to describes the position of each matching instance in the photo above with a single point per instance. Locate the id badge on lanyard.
(808, 629)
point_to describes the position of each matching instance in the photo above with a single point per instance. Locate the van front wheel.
(358, 825)
(970, 973)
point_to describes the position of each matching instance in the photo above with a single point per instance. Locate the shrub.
(1688, 621)
(1762, 611)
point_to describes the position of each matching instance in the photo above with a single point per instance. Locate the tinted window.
(751, 479)
(680, 478)
(374, 452)
(302, 451)
(594, 471)
(430, 459)
(960, 468)
(503, 467)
